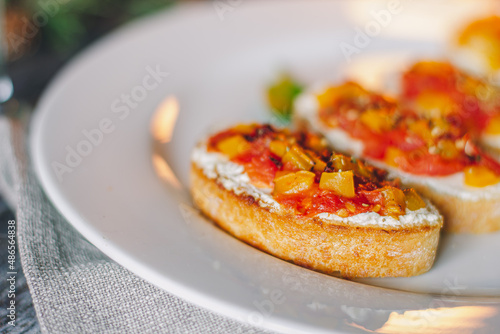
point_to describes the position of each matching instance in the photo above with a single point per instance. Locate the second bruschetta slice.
(432, 153)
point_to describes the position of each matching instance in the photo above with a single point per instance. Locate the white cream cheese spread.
(231, 176)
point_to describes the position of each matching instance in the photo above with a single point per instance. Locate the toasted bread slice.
(465, 209)
(361, 245)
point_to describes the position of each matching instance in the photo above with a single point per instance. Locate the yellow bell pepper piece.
(421, 129)
(429, 67)
(447, 149)
(316, 143)
(394, 201)
(348, 91)
(293, 183)
(391, 155)
(233, 146)
(376, 120)
(342, 162)
(341, 183)
(493, 127)
(480, 176)
(298, 158)
(319, 165)
(278, 147)
(434, 105)
(413, 200)
(245, 128)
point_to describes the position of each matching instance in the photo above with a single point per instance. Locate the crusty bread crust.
(460, 215)
(326, 246)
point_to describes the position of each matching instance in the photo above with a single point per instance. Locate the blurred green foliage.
(66, 25)
(281, 95)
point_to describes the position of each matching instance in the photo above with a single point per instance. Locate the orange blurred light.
(164, 118)
(444, 320)
(164, 171)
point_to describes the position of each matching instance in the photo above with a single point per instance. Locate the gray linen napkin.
(76, 288)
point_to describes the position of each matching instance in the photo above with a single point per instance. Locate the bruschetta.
(291, 196)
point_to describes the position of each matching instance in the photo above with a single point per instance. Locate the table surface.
(26, 321)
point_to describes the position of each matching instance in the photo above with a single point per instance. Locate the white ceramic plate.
(219, 56)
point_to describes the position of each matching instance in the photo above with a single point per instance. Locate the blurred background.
(41, 35)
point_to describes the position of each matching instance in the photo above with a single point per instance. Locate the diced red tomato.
(261, 165)
(421, 162)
